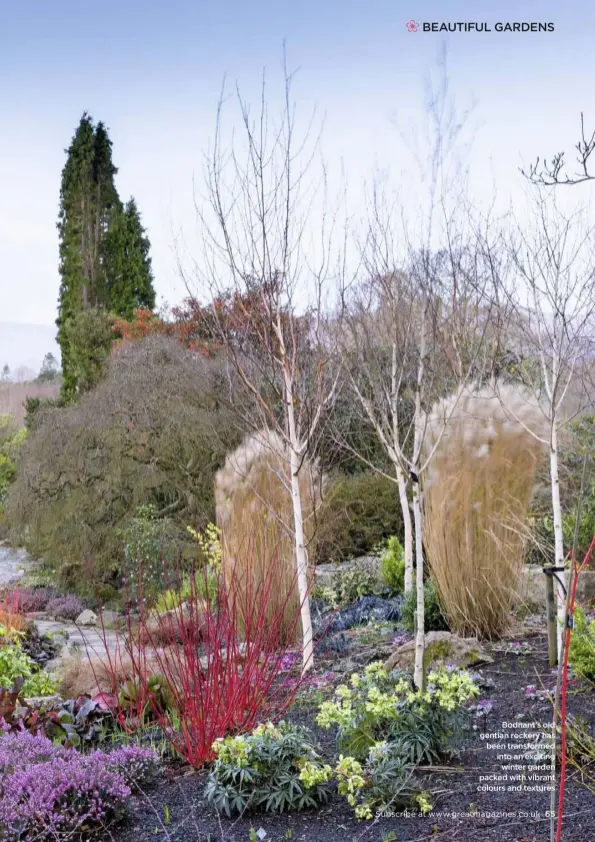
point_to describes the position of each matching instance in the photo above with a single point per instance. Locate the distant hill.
(26, 345)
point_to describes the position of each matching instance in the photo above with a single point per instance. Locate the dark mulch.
(454, 788)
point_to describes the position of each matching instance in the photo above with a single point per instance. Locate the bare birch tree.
(267, 278)
(458, 343)
(408, 323)
(554, 305)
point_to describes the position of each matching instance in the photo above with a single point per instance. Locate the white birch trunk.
(420, 636)
(302, 565)
(420, 621)
(407, 528)
(301, 556)
(401, 480)
(558, 534)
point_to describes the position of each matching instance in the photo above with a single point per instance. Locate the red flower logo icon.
(412, 26)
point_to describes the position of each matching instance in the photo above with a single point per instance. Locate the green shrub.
(7, 472)
(153, 431)
(173, 597)
(542, 547)
(393, 566)
(275, 768)
(385, 779)
(586, 529)
(381, 706)
(581, 656)
(346, 586)
(15, 663)
(434, 619)
(578, 441)
(34, 408)
(349, 585)
(11, 440)
(206, 580)
(206, 584)
(358, 514)
(152, 546)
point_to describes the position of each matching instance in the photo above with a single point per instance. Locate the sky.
(152, 71)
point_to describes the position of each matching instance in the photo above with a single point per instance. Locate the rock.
(54, 667)
(206, 661)
(442, 648)
(44, 702)
(369, 655)
(60, 637)
(86, 618)
(68, 649)
(531, 586)
(67, 652)
(348, 666)
(42, 648)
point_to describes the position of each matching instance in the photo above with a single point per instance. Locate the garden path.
(12, 564)
(87, 639)
(12, 567)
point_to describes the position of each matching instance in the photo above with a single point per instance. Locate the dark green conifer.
(128, 264)
(104, 250)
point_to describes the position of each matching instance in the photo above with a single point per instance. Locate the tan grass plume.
(255, 515)
(477, 492)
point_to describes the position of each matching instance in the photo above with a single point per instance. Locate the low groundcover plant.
(67, 607)
(49, 792)
(275, 768)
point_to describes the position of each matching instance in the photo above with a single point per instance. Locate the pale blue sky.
(152, 72)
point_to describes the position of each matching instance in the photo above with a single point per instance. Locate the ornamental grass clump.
(254, 505)
(382, 706)
(477, 490)
(52, 793)
(275, 768)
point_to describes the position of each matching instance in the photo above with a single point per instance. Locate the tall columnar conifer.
(128, 264)
(104, 250)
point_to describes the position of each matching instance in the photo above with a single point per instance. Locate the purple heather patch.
(47, 791)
